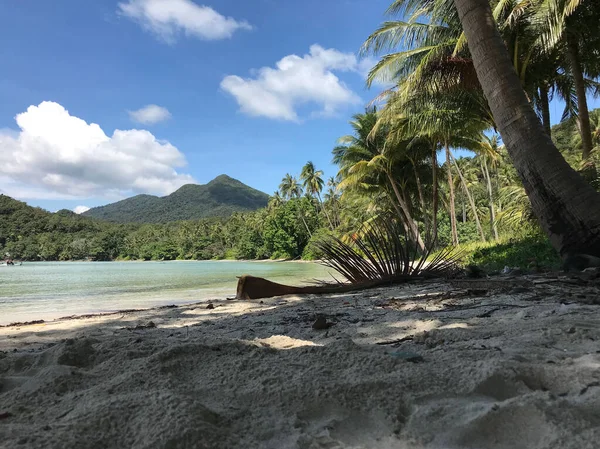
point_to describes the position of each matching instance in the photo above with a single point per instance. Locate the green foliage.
(532, 252)
(280, 231)
(312, 251)
(219, 198)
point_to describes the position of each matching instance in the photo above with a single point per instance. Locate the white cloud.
(149, 115)
(81, 209)
(169, 18)
(277, 92)
(61, 156)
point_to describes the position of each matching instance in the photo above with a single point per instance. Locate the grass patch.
(533, 252)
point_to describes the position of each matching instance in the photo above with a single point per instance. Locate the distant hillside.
(219, 198)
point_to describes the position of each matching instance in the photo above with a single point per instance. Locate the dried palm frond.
(381, 251)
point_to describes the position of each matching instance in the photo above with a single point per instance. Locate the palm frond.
(382, 252)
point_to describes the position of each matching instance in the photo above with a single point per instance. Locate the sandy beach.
(491, 364)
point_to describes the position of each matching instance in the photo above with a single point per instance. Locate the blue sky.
(180, 92)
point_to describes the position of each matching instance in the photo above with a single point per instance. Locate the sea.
(50, 290)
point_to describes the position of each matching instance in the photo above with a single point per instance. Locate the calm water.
(48, 290)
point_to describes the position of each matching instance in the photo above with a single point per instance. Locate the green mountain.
(219, 198)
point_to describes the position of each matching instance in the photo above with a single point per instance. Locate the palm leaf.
(381, 252)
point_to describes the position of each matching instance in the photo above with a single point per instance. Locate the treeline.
(277, 231)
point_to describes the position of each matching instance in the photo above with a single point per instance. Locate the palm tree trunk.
(583, 117)
(451, 199)
(325, 211)
(469, 197)
(434, 194)
(545, 105)
(420, 190)
(305, 224)
(567, 207)
(412, 224)
(488, 181)
(464, 212)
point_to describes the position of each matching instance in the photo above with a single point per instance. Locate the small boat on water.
(10, 263)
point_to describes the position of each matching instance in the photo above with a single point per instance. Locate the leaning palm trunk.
(488, 182)
(451, 200)
(324, 210)
(469, 197)
(567, 208)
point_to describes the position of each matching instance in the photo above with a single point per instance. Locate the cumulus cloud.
(81, 209)
(58, 155)
(277, 92)
(149, 115)
(169, 18)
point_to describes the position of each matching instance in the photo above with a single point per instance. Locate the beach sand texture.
(485, 369)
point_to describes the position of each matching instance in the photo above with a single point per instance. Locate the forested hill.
(219, 198)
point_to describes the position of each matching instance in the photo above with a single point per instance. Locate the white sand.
(251, 375)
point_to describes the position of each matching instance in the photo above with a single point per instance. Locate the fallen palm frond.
(381, 251)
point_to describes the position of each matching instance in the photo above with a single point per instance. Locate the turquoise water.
(48, 290)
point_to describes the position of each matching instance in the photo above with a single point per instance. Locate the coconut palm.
(312, 180)
(566, 206)
(290, 187)
(489, 155)
(366, 163)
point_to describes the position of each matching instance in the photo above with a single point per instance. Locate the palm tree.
(276, 200)
(454, 118)
(332, 198)
(365, 161)
(489, 151)
(312, 180)
(566, 206)
(573, 25)
(290, 187)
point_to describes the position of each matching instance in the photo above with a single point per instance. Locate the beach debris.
(148, 325)
(210, 306)
(409, 356)
(321, 323)
(512, 271)
(395, 342)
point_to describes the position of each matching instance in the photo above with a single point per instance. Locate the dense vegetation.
(219, 198)
(390, 163)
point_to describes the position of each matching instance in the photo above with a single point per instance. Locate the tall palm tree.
(489, 155)
(312, 180)
(290, 187)
(566, 206)
(365, 160)
(573, 26)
